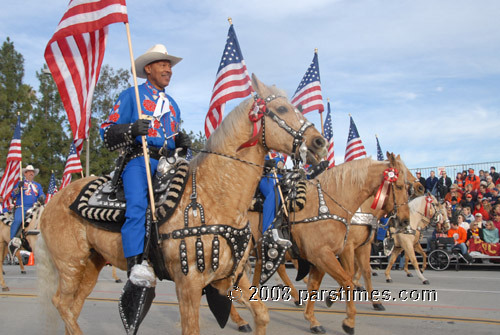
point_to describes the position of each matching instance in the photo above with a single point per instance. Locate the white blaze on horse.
(28, 233)
(424, 210)
(221, 184)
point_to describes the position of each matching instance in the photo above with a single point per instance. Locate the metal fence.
(452, 170)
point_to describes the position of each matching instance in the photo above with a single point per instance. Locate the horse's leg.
(3, 254)
(363, 262)
(189, 292)
(418, 248)
(20, 259)
(257, 307)
(243, 325)
(256, 272)
(114, 275)
(394, 255)
(286, 280)
(410, 253)
(94, 266)
(313, 283)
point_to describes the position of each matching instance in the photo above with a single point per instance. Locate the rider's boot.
(139, 272)
(14, 245)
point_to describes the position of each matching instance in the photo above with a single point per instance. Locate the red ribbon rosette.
(255, 115)
(390, 176)
(428, 202)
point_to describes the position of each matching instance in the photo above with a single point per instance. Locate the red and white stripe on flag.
(232, 81)
(13, 166)
(331, 154)
(73, 165)
(74, 56)
(66, 180)
(308, 93)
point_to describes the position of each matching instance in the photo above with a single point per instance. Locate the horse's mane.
(355, 171)
(229, 125)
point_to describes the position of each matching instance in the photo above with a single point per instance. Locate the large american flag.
(232, 81)
(13, 166)
(380, 155)
(308, 94)
(73, 165)
(328, 129)
(355, 147)
(74, 56)
(52, 188)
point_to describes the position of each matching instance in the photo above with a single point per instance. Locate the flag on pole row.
(380, 155)
(355, 147)
(74, 56)
(329, 137)
(52, 188)
(13, 166)
(73, 165)
(232, 81)
(308, 94)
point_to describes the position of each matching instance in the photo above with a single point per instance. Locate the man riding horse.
(123, 129)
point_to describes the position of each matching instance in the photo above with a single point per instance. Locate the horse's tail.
(47, 285)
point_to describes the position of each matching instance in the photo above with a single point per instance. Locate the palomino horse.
(226, 179)
(424, 210)
(320, 229)
(30, 233)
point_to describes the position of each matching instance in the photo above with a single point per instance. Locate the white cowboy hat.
(155, 53)
(31, 168)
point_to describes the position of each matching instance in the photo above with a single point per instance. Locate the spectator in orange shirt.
(460, 236)
(460, 181)
(454, 192)
(478, 208)
(472, 179)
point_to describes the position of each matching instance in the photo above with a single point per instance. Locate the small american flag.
(308, 94)
(355, 147)
(232, 81)
(329, 136)
(52, 188)
(380, 155)
(73, 165)
(74, 56)
(189, 154)
(12, 169)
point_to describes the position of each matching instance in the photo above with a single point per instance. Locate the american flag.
(329, 136)
(73, 165)
(12, 169)
(52, 188)
(355, 147)
(189, 154)
(74, 56)
(308, 94)
(380, 155)
(232, 81)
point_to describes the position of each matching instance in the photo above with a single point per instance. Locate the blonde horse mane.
(355, 171)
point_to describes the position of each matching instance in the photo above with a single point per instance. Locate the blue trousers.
(267, 186)
(135, 184)
(18, 220)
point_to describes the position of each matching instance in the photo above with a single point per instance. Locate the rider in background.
(268, 185)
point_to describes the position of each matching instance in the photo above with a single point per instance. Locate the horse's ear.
(258, 86)
(390, 157)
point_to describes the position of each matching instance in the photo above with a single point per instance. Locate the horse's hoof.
(388, 280)
(5, 289)
(426, 282)
(328, 302)
(318, 330)
(374, 274)
(360, 288)
(409, 275)
(23, 272)
(297, 303)
(118, 280)
(280, 286)
(245, 328)
(378, 307)
(348, 329)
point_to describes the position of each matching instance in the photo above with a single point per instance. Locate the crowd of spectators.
(473, 204)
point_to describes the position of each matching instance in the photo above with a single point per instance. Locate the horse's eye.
(282, 110)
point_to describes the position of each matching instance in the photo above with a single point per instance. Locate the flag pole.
(320, 113)
(87, 158)
(21, 183)
(143, 138)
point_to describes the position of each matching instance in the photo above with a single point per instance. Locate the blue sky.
(423, 75)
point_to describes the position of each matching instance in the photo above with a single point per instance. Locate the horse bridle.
(298, 135)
